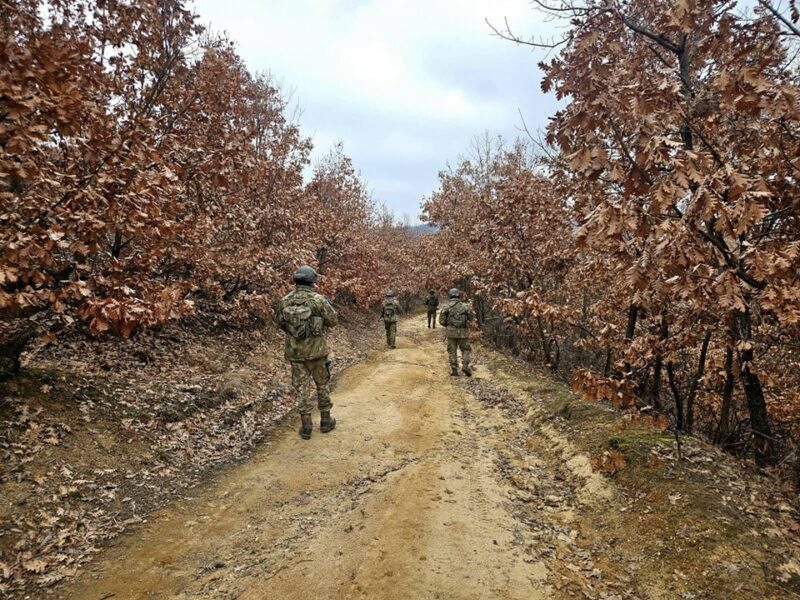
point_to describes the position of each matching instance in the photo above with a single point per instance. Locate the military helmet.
(389, 293)
(431, 291)
(454, 293)
(305, 274)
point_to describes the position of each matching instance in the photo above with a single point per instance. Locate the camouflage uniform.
(390, 309)
(432, 302)
(455, 316)
(308, 354)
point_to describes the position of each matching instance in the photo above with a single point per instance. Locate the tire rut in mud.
(544, 494)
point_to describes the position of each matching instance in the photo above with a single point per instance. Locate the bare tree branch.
(793, 29)
(627, 154)
(510, 36)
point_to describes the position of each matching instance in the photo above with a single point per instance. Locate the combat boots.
(327, 422)
(467, 371)
(306, 426)
(454, 371)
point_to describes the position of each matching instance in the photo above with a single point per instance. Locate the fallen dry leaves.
(93, 438)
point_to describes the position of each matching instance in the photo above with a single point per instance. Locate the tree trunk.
(701, 369)
(11, 350)
(543, 338)
(655, 392)
(480, 311)
(116, 248)
(676, 394)
(763, 442)
(633, 314)
(583, 356)
(555, 354)
(644, 383)
(724, 428)
(630, 331)
(655, 395)
(607, 365)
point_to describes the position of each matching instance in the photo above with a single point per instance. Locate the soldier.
(305, 316)
(432, 302)
(389, 313)
(456, 315)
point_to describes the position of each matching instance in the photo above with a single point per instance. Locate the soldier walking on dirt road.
(432, 302)
(390, 311)
(305, 316)
(456, 315)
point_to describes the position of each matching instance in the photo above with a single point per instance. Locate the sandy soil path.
(400, 501)
(450, 488)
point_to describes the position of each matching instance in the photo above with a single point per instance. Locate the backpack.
(389, 310)
(457, 315)
(298, 319)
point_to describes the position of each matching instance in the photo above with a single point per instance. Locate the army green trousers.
(453, 345)
(432, 318)
(391, 333)
(303, 373)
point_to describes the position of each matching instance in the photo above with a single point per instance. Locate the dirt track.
(430, 487)
(400, 501)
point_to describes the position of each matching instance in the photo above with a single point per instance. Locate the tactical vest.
(458, 315)
(299, 318)
(389, 309)
(303, 315)
(455, 315)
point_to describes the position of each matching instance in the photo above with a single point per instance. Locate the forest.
(647, 246)
(644, 248)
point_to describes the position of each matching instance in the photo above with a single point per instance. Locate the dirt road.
(430, 487)
(400, 501)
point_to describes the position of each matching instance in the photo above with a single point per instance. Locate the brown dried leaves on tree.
(144, 173)
(660, 232)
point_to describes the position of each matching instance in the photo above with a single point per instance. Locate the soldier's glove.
(328, 363)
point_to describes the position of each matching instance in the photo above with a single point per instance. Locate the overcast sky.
(405, 84)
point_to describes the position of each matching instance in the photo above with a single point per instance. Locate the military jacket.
(390, 310)
(432, 302)
(456, 315)
(313, 346)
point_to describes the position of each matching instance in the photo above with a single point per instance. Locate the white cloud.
(404, 83)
